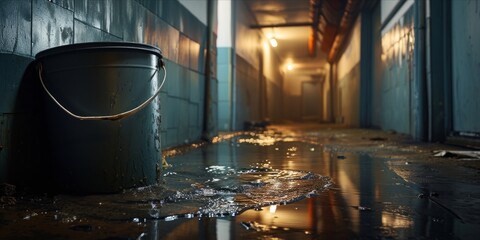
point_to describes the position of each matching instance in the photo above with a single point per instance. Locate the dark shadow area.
(28, 162)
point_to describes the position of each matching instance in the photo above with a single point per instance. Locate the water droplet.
(169, 174)
(171, 218)
(361, 208)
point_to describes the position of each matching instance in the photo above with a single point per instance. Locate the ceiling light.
(273, 42)
(290, 67)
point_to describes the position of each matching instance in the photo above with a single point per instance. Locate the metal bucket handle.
(107, 117)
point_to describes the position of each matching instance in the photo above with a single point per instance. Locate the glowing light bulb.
(273, 42)
(290, 67)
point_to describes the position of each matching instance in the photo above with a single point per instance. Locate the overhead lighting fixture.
(290, 67)
(273, 42)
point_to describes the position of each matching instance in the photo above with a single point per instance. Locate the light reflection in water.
(366, 199)
(395, 220)
(205, 189)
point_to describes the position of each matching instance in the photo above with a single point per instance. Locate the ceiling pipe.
(315, 12)
(299, 24)
(350, 13)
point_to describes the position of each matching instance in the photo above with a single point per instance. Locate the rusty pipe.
(315, 12)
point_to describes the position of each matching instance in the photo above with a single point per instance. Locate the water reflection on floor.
(367, 199)
(270, 185)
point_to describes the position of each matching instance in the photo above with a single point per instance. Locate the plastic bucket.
(102, 115)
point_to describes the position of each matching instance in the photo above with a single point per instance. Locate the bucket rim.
(98, 46)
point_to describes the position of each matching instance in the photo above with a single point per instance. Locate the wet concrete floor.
(289, 182)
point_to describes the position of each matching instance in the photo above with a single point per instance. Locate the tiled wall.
(225, 68)
(394, 75)
(392, 80)
(30, 26)
(247, 87)
(466, 66)
(250, 84)
(451, 70)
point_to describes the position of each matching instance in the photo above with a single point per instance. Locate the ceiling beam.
(350, 13)
(315, 12)
(280, 25)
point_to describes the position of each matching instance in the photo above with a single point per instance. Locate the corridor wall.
(250, 81)
(347, 88)
(394, 73)
(465, 67)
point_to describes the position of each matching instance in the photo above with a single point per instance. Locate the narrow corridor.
(239, 119)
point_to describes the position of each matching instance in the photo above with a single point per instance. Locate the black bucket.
(102, 115)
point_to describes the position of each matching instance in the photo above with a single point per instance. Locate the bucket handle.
(107, 117)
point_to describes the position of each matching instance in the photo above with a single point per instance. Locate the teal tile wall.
(12, 68)
(171, 12)
(224, 76)
(465, 66)
(247, 93)
(52, 25)
(195, 86)
(395, 78)
(155, 7)
(68, 4)
(106, 16)
(16, 26)
(87, 33)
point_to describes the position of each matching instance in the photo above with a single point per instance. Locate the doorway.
(311, 100)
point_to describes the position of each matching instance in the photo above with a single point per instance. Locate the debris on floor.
(464, 155)
(7, 189)
(362, 208)
(256, 126)
(7, 192)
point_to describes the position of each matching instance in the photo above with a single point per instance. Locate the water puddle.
(216, 191)
(200, 182)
